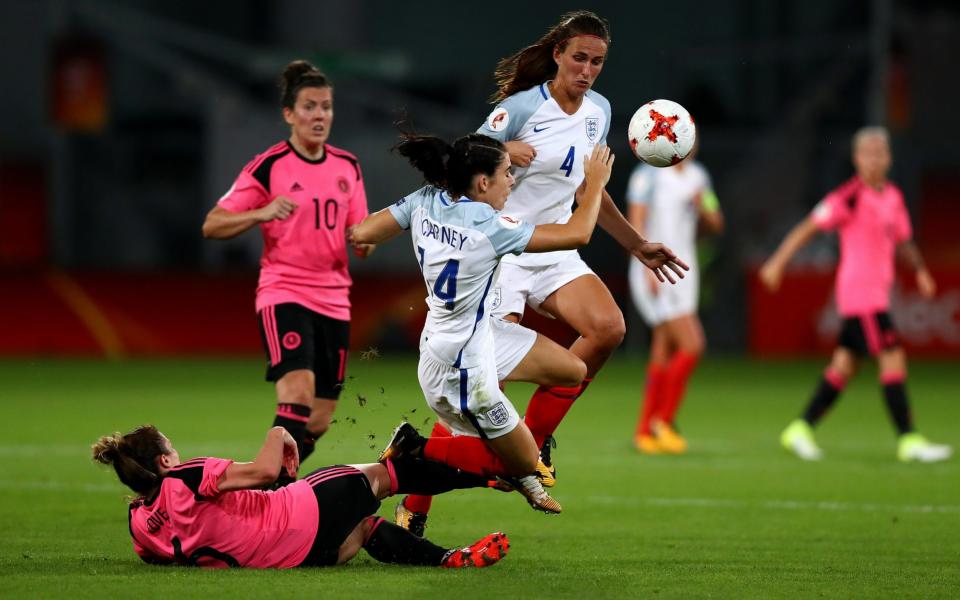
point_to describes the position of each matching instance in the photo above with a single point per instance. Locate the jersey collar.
(326, 152)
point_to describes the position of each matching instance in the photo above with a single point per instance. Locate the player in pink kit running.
(304, 194)
(208, 512)
(869, 215)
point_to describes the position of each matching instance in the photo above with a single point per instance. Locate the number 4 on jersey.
(568, 162)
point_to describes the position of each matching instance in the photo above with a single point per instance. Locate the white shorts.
(468, 401)
(511, 343)
(519, 285)
(670, 300)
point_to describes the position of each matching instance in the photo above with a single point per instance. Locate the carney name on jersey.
(544, 191)
(459, 246)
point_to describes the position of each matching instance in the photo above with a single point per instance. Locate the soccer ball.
(661, 133)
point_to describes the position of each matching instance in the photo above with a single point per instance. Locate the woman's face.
(580, 63)
(311, 117)
(498, 185)
(170, 457)
(872, 158)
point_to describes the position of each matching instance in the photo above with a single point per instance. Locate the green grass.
(735, 518)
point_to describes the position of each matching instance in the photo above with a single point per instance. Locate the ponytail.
(297, 75)
(534, 64)
(133, 456)
(452, 167)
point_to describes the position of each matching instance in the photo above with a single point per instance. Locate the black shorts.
(344, 499)
(868, 335)
(295, 337)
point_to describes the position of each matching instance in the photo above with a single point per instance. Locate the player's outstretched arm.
(375, 229)
(278, 451)
(910, 254)
(577, 231)
(222, 224)
(656, 257)
(771, 273)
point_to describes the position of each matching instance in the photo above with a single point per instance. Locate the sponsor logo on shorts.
(496, 299)
(291, 340)
(498, 415)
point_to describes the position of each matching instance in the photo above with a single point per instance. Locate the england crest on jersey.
(593, 128)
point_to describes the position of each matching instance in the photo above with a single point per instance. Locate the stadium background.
(121, 123)
(125, 121)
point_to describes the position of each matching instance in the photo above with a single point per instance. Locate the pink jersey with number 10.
(304, 256)
(870, 223)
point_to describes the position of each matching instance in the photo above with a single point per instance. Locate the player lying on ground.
(210, 512)
(869, 215)
(459, 237)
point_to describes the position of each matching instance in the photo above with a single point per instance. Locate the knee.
(695, 347)
(609, 330)
(296, 394)
(570, 373)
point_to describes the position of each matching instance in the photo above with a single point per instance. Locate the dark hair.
(534, 64)
(133, 456)
(297, 75)
(452, 168)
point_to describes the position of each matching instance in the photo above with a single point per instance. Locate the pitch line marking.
(824, 505)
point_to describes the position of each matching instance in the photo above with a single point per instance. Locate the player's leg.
(892, 360)
(688, 340)
(412, 510)
(660, 351)
(389, 543)
(547, 363)
(798, 436)
(287, 333)
(586, 305)
(348, 496)
(331, 342)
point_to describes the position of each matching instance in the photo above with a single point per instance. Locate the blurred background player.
(871, 219)
(669, 204)
(459, 237)
(549, 117)
(209, 512)
(303, 193)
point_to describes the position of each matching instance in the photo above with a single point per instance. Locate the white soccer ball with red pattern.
(661, 133)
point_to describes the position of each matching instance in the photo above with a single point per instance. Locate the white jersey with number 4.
(459, 245)
(544, 191)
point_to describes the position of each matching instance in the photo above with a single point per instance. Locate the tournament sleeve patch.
(509, 222)
(498, 119)
(822, 212)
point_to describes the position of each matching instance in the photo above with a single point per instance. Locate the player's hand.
(771, 274)
(661, 260)
(521, 153)
(598, 166)
(926, 284)
(278, 210)
(291, 456)
(363, 250)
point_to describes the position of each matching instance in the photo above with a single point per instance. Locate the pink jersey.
(305, 256)
(870, 223)
(191, 522)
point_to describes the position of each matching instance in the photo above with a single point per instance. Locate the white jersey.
(459, 246)
(670, 195)
(544, 191)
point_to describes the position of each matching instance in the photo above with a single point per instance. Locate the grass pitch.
(734, 518)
